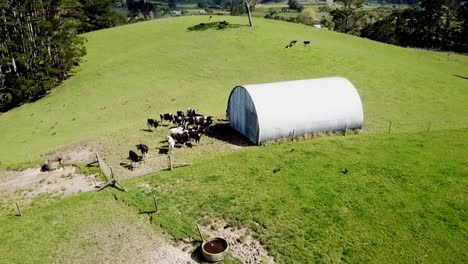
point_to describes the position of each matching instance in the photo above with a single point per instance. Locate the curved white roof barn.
(269, 111)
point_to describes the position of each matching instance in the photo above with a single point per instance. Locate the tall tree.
(439, 19)
(249, 4)
(347, 16)
(463, 18)
(172, 4)
(38, 48)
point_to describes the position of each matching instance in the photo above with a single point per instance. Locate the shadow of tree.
(459, 76)
(214, 25)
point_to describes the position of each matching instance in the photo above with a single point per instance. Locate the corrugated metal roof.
(305, 106)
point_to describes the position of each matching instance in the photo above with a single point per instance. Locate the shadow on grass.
(459, 76)
(223, 132)
(220, 25)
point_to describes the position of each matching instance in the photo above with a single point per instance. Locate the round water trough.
(215, 249)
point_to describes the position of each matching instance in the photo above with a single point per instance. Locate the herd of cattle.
(189, 126)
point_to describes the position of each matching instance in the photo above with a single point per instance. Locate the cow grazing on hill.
(152, 123)
(196, 137)
(191, 112)
(134, 157)
(306, 43)
(144, 150)
(167, 117)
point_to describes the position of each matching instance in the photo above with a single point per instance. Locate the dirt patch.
(32, 182)
(120, 242)
(77, 153)
(242, 246)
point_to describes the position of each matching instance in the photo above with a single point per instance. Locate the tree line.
(39, 43)
(433, 24)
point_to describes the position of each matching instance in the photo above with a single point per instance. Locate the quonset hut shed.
(269, 111)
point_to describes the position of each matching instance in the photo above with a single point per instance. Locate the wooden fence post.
(390, 127)
(155, 202)
(346, 129)
(18, 208)
(171, 165)
(29, 156)
(429, 126)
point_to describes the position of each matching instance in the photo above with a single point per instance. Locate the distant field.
(140, 70)
(359, 199)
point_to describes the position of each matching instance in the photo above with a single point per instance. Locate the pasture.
(403, 199)
(163, 67)
(371, 196)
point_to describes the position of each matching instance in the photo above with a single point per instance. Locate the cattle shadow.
(219, 25)
(146, 130)
(224, 132)
(459, 76)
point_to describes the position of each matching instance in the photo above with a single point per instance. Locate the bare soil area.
(32, 182)
(121, 242)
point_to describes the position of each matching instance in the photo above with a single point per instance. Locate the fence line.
(393, 126)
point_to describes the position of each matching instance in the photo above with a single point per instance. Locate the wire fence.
(415, 126)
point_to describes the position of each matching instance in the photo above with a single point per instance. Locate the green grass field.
(403, 199)
(140, 70)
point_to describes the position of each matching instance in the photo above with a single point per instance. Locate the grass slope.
(140, 70)
(403, 200)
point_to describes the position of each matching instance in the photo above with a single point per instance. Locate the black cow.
(180, 113)
(306, 43)
(152, 123)
(191, 112)
(167, 117)
(196, 137)
(134, 157)
(143, 149)
(288, 46)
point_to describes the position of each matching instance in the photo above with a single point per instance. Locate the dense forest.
(434, 24)
(39, 43)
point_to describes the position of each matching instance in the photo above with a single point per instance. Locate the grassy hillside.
(140, 70)
(403, 200)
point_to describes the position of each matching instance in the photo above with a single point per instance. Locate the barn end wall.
(297, 107)
(242, 114)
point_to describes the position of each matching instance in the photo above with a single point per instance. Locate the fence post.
(293, 135)
(429, 126)
(346, 129)
(171, 165)
(390, 127)
(18, 208)
(29, 156)
(155, 202)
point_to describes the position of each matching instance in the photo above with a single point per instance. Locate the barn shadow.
(459, 76)
(223, 132)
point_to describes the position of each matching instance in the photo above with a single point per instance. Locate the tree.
(143, 9)
(239, 7)
(463, 35)
(439, 20)
(201, 4)
(295, 5)
(248, 5)
(346, 17)
(38, 48)
(172, 4)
